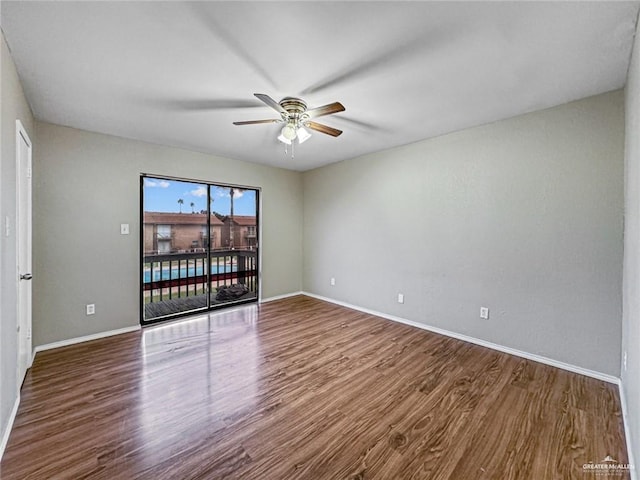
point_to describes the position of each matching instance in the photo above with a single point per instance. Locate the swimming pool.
(185, 272)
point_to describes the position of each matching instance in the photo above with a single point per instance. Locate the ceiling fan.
(294, 114)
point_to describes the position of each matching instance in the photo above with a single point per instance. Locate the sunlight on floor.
(221, 351)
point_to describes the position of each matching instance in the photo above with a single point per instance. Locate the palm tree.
(231, 193)
(193, 205)
(180, 202)
(231, 222)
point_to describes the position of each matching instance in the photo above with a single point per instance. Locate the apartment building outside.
(166, 232)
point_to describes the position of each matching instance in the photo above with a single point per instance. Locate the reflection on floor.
(179, 305)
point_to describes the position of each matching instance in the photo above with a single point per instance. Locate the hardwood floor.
(303, 389)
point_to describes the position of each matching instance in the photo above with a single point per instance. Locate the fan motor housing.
(294, 106)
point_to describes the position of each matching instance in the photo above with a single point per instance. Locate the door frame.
(23, 245)
(209, 307)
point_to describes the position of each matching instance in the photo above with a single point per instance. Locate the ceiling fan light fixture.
(303, 135)
(295, 116)
(288, 131)
(284, 140)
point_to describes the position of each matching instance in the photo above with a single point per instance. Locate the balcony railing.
(168, 276)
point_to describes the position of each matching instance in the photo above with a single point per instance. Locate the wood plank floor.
(303, 389)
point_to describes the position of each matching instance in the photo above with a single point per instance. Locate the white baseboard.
(86, 338)
(7, 430)
(633, 473)
(483, 343)
(280, 297)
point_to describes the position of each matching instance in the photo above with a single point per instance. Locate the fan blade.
(271, 102)
(253, 122)
(325, 110)
(319, 127)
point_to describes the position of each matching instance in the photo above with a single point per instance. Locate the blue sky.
(162, 196)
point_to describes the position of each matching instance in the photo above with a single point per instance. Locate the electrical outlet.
(333, 281)
(484, 313)
(401, 298)
(124, 229)
(91, 309)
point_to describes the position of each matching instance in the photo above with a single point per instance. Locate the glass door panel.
(234, 252)
(175, 250)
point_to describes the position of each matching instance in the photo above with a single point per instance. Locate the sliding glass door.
(199, 246)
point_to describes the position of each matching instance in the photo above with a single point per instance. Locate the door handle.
(26, 276)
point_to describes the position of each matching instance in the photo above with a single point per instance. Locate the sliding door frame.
(210, 306)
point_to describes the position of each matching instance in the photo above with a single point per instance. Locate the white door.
(23, 229)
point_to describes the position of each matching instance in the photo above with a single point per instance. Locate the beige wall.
(523, 216)
(13, 107)
(81, 258)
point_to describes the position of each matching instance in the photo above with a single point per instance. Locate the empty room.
(319, 240)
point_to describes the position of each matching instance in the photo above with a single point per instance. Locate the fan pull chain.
(292, 149)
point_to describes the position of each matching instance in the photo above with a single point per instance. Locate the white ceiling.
(179, 73)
